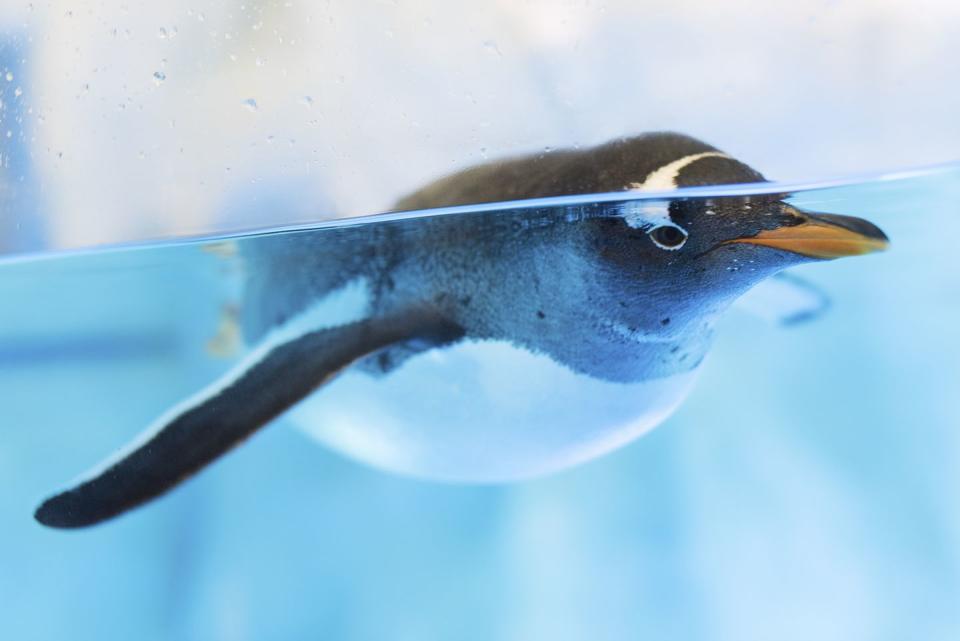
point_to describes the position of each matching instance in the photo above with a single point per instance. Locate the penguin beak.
(822, 236)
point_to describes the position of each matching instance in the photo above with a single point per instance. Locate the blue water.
(807, 487)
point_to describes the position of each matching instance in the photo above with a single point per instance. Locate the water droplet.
(9, 133)
(9, 76)
(269, 140)
(307, 101)
(491, 47)
(162, 34)
(250, 104)
(260, 61)
(159, 77)
(18, 92)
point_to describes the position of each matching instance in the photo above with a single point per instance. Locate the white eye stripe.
(665, 178)
(644, 214)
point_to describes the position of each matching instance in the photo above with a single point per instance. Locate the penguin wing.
(191, 435)
(785, 300)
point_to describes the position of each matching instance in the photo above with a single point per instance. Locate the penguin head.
(673, 265)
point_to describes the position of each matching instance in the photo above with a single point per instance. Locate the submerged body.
(623, 297)
(559, 399)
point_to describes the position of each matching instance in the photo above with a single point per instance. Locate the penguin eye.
(668, 237)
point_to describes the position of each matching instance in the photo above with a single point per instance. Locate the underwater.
(237, 401)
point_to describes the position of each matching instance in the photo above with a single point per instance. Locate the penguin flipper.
(786, 300)
(194, 433)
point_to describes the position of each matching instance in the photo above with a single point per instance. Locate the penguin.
(617, 294)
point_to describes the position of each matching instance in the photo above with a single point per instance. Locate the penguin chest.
(516, 396)
(483, 410)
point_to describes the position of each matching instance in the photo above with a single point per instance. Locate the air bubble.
(251, 104)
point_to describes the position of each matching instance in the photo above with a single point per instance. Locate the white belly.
(483, 411)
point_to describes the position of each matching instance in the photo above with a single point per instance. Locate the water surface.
(811, 474)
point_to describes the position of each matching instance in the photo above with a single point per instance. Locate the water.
(806, 486)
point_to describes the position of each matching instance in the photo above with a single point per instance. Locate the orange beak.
(823, 236)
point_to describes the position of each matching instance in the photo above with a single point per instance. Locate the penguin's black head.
(685, 259)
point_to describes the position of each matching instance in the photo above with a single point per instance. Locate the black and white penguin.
(607, 307)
